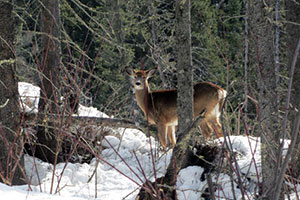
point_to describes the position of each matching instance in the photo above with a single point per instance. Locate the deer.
(160, 107)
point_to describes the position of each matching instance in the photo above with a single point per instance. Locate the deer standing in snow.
(160, 107)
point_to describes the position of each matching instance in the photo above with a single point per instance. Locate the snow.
(189, 184)
(124, 164)
(29, 95)
(111, 183)
(90, 112)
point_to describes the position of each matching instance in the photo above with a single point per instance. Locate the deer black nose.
(137, 83)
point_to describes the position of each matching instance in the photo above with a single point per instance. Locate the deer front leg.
(162, 134)
(172, 135)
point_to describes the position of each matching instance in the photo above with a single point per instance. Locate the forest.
(73, 115)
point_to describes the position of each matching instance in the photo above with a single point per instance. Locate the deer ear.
(129, 71)
(151, 72)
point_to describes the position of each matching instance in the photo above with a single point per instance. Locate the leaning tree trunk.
(48, 137)
(11, 145)
(185, 108)
(293, 34)
(262, 35)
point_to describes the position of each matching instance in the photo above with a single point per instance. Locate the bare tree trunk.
(11, 144)
(293, 34)
(185, 108)
(49, 74)
(262, 32)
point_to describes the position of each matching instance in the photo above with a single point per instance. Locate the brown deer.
(160, 107)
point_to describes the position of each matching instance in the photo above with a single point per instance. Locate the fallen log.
(97, 121)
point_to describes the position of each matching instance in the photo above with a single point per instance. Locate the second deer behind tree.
(160, 107)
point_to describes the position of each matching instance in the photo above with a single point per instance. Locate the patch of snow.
(110, 141)
(85, 111)
(29, 97)
(21, 192)
(111, 184)
(188, 183)
(249, 148)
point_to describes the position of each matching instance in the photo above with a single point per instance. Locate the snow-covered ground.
(111, 184)
(121, 174)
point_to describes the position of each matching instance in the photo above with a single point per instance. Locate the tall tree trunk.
(293, 34)
(49, 74)
(262, 32)
(184, 66)
(185, 108)
(11, 145)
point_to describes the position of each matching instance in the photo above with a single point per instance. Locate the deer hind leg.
(171, 135)
(205, 128)
(162, 134)
(216, 126)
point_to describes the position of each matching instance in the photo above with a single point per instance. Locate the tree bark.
(49, 68)
(11, 145)
(185, 107)
(262, 34)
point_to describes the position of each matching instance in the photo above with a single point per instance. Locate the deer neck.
(142, 97)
